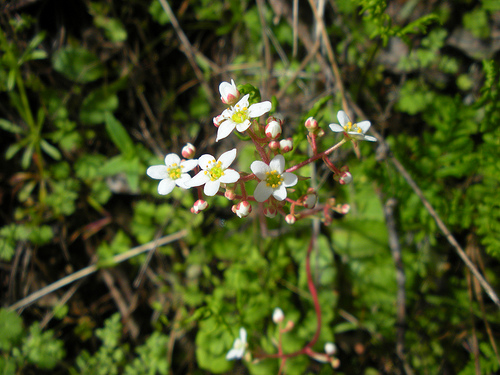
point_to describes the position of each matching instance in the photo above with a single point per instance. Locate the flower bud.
(278, 315)
(290, 219)
(275, 117)
(330, 348)
(242, 209)
(320, 132)
(199, 206)
(270, 212)
(345, 178)
(273, 130)
(310, 200)
(286, 145)
(217, 120)
(311, 124)
(274, 145)
(229, 94)
(188, 151)
(230, 194)
(344, 209)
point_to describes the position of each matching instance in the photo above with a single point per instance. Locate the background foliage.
(93, 92)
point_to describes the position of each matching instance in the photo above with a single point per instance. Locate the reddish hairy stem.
(258, 146)
(316, 157)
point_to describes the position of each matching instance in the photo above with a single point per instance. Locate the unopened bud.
(286, 145)
(270, 212)
(311, 124)
(320, 132)
(330, 348)
(278, 315)
(229, 94)
(217, 120)
(290, 219)
(188, 151)
(273, 130)
(344, 209)
(274, 145)
(199, 206)
(230, 194)
(310, 200)
(345, 178)
(242, 209)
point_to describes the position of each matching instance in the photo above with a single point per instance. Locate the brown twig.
(93, 268)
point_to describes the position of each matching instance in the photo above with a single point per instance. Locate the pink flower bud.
(286, 145)
(344, 209)
(188, 151)
(229, 94)
(330, 348)
(311, 124)
(230, 194)
(273, 130)
(274, 145)
(199, 206)
(290, 219)
(217, 120)
(278, 315)
(278, 117)
(242, 209)
(345, 178)
(310, 200)
(270, 212)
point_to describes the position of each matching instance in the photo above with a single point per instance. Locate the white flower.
(239, 346)
(229, 94)
(278, 315)
(273, 180)
(174, 172)
(354, 131)
(239, 116)
(214, 173)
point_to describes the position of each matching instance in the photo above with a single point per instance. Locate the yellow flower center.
(240, 115)
(215, 171)
(174, 171)
(350, 127)
(273, 179)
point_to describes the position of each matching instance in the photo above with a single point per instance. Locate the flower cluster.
(213, 176)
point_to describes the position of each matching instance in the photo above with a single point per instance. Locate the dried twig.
(93, 268)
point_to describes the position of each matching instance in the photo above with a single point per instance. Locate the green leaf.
(97, 104)
(113, 28)
(10, 127)
(11, 326)
(28, 153)
(50, 150)
(119, 135)
(78, 64)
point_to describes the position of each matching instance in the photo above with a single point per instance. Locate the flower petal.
(258, 109)
(241, 127)
(280, 193)
(230, 176)
(277, 164)
(289, 179)
(343, 118)
(183, 181)
(225, 129)
(189, 165)
(243, 336)
(364, 125)
(370, 138)
(166, 186)
(198, 180)
(243, 102)
(158, 172)
(227, 158)
(205, 161)
(211, 188)
(259, 168)
(172, 159)
(336, 128)
(262, 192)
(235, 354)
